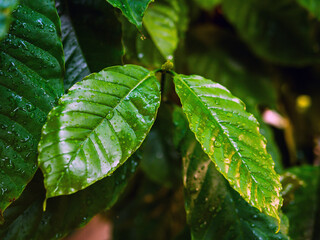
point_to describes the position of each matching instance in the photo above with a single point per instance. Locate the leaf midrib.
(103, 119)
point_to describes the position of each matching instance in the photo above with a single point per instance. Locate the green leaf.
(76, 65)
(230, 136)
(275, 29)
(6, 8)
(313, 6)
(138, 49)
(26, 219)
(214, 210)
(302, 208)
(103, 118)
(161, 21)
(207, 4)
(31, 69)
(221, 56)
(133, 10)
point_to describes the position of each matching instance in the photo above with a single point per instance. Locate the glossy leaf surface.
(6, 8)
(31, 69)
(132, 9)
(96, 127)
(266, 27)
(302, 208)
(26, 220)
(230, 137)
(161, 21)
(215, 210)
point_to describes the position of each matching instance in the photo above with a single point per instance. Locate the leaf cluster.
(180, 119)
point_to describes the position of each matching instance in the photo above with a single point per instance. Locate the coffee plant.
(131, 109)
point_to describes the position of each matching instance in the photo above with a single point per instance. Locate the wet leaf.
(221, 56)
(133, 10)
(76, 65)
(216, 211)
(230, 137)
(162, 23)
(31, 69)
(26, 219)
(97, 125)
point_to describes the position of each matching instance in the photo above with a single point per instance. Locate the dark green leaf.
(132, 9)
(76, 65)
(214, 209)
(26, 219)
(6, 8)
(301, 210)
(103, 118)
(230, 136)
(31, 69)
(279, 31)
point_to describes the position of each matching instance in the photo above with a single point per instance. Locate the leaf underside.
(97, 125)
(230, 137)
(31, 68)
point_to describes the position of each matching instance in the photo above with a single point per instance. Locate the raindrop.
(30, 107)
(49, 168)
(110, 115)
(217, 144)
(10, 165)
(40, 23)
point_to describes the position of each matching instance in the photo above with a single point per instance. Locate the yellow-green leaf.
(230, 137)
